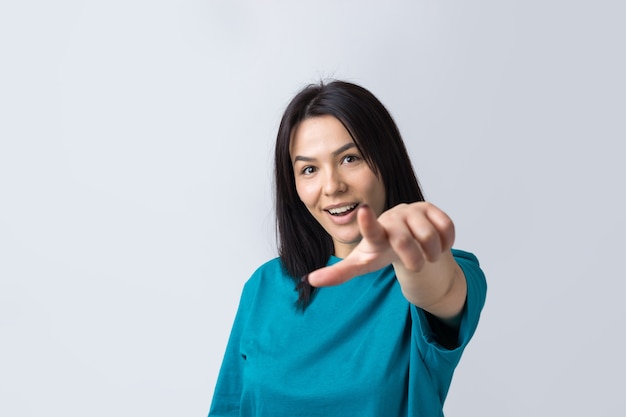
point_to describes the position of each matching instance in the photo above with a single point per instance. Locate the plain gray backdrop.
(136, 193)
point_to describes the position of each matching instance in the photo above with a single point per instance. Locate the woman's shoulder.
(272, 267)
(269, 274)
(476, 284)
(471, 268)
(464, 255)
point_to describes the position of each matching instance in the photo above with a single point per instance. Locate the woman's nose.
(334, 183)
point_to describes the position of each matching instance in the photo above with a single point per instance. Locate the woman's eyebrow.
(334, 153)
(344, 148)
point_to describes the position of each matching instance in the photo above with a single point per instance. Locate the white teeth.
(340, 210)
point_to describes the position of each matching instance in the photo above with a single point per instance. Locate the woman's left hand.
(416, 238)
(410, 235)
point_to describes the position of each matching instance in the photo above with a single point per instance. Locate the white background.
(135, 186)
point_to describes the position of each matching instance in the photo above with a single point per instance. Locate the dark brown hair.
(303, 245)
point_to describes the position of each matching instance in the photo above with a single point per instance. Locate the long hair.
(303, 244)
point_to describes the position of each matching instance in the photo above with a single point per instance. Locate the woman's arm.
(416, 238)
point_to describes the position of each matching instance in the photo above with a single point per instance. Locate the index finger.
(369, 226)
(357, 263)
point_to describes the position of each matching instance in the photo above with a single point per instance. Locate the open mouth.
(342, 211)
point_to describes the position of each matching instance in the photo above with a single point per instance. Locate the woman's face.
(333, 179)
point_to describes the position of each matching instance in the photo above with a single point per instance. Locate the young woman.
(368, 308)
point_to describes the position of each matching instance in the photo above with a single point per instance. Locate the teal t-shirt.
(359, 349)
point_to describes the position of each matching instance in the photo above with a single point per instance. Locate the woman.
(368, 308)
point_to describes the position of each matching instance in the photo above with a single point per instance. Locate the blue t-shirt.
(359, 349)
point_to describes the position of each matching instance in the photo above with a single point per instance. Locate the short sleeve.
(227, 395)
(439, 360)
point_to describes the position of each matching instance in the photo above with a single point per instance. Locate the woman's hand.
(416, 238)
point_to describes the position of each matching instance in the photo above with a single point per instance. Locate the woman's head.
(304, 245)
(333, 179)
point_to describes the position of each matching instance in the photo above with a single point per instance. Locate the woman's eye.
(350, 159)
(308, 170)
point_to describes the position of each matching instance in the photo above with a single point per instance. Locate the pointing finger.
(369, 226)
(359, 261)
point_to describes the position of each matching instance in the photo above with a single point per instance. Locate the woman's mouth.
(343, 210)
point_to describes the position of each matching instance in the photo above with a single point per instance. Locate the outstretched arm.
(416, 239)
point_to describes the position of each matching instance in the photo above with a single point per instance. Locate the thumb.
(335, 274)
(355, 263)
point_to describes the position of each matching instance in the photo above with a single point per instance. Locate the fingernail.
(305, 279)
